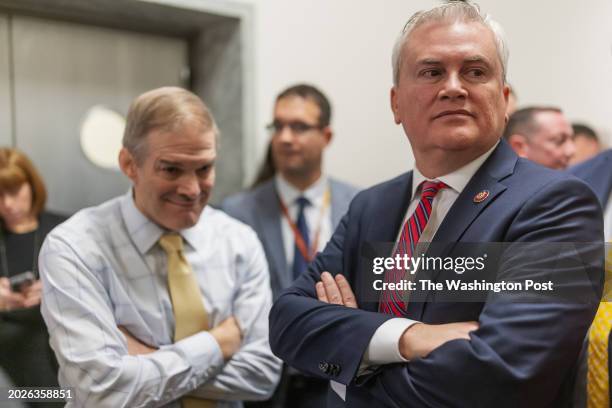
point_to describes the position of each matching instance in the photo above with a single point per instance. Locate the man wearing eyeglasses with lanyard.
(295, 212)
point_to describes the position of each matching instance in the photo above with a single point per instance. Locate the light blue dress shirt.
(103, 268)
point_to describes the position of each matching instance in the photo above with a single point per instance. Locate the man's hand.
(32, 294)
(229, 337)
(135, 346)
(10, 300)
(420, 339)
(336, 290)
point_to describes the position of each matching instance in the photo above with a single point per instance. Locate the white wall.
(560, 54)
(343, 47)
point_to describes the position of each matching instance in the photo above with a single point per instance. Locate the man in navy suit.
(597, 173)
(450, 97)
(300, 132)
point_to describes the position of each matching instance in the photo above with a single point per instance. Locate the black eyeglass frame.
(297, 127)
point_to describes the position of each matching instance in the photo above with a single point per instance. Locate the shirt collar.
(458, 179)
(288, 193)
(145, 233)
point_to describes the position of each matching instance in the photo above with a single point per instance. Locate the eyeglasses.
(296, 127)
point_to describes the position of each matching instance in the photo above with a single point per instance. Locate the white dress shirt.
(103, 268)
(384, 345)
(317, 213)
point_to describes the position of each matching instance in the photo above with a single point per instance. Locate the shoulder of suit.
(532, 174)
(342, 186)
(388, 184)
(531, 181)
(246, 205)
(362, 198)
(603, 159)
(248, 197)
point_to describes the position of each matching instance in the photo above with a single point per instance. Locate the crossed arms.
(108, 360)
(418, 340)
(512, 349)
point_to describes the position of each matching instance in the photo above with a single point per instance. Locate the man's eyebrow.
(429, 61)
(478, 58)
(168, 162)
(434, 61)
(202, 162)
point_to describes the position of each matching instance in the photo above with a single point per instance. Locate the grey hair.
(453, 11)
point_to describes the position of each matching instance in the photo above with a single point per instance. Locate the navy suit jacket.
(260, 209)
(597, 173)
(521, 356)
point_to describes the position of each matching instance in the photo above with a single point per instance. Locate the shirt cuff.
(339, 389)
(203, 354)
(384, 345)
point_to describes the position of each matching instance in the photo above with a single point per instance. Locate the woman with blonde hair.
(25, 354)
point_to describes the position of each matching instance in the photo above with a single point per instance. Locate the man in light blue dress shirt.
(105, 276)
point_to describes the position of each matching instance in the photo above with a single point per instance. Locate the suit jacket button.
(323, 366)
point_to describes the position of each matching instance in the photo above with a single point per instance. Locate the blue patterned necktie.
(299, 262)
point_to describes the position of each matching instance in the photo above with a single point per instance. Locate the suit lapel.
(336, 203)
(270, 221)
(384, 223)
(465, 211)
(390, 210)
(341, 197)
(602, 182)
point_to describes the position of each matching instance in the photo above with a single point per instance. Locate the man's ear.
(506, 92)
(519, 144)
(128, 164)
(328, 135)
(395, 105)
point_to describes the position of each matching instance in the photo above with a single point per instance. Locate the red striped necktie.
(391, 301)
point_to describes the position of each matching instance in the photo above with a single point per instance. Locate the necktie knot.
(429, 189)
(171, 243)
(302, 203)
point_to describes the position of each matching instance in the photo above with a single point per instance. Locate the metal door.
(60, 70)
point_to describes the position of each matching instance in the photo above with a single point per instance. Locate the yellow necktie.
(598, 380)
(189, 313)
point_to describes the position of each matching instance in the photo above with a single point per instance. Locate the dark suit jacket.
(597, 173)
(521, 356)
(260, 209)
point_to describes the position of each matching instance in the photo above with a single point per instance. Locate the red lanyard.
(307, 253)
